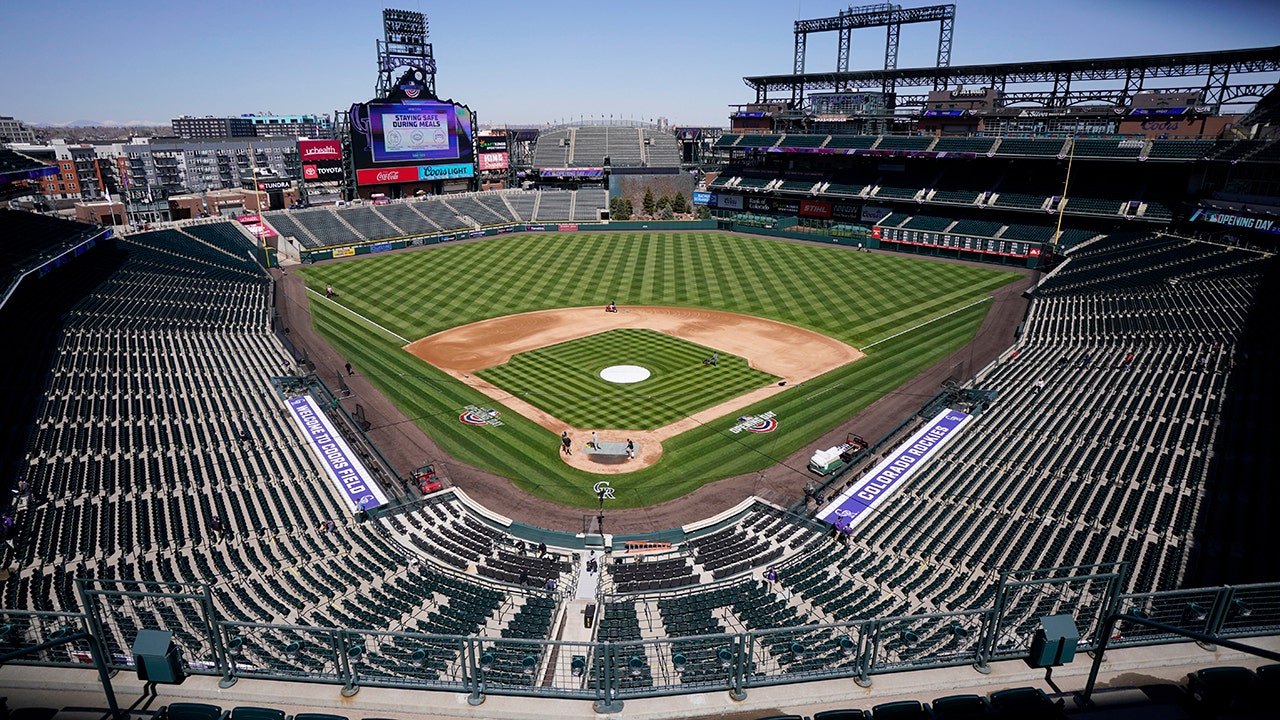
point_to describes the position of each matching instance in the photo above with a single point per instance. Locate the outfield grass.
(564, 379)
(857, 298)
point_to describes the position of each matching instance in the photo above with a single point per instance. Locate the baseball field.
(732, 295)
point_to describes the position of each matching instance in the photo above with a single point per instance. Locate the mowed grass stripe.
(854, 297)
(563, 379)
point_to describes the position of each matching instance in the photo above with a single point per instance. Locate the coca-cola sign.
(382, 176)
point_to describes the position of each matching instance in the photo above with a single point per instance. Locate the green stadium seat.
(189, 711)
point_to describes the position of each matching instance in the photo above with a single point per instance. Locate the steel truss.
(887, 15)
(1225, 78)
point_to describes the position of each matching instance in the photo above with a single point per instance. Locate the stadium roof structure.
(15, 166)
(1229, 77)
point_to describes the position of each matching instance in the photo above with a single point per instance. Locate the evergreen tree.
(648, 204)
(679, 204)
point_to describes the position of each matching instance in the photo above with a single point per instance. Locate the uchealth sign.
(312, 151)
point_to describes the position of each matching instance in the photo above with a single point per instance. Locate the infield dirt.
(792, 353)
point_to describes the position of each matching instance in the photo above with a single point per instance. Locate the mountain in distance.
(102, 123)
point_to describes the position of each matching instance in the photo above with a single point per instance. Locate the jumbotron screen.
(412, 140)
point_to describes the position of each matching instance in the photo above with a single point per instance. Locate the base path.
(407, 446)
(791, 353)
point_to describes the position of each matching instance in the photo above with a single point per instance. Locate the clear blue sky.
(530, 61)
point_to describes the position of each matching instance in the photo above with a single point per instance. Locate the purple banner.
(851, 506)
(584, 172)
(346, 472)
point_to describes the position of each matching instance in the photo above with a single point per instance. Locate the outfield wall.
(871, 243)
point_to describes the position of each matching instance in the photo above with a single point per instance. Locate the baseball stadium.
(910, 402)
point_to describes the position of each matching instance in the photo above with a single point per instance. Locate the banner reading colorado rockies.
(851, 507)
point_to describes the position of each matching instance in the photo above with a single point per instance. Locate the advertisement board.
(411, 141)
(494, 161)
(702, 198)
(729, 202)
(319, 151)
(815, 208)
(582, 172)
(321, 173)
(321, 160)
(486, 143)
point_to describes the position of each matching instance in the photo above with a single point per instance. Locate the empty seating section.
(1269, 153)
(842, 189)
(369, 224)
(553, 206)
(326, 227)
(802, 141)
(284, 224)
(727, 140)
(1019, 200)
(159, 416)
(1037, 147)
(959, 197)
(905, 142)
(35, 236)
(852, 142)
(1031, 233)
(551, 150)
(646, 574)
(1228, 150)
(897, 193)
(496, 203)
(1179, 149)
(1092, 206)
(1069, 238)
(476, 213)
(226, 237)
(926, 222)
(802, 186)
(1108, 148)
(441, 214)
(591, 144)
(980, 146)
(523, 204)
(980, 228)
(893, 220)
(758, 141)
(410, 221)
(1105, 463)
(661, 149)
(589, 202)
(1157, 211)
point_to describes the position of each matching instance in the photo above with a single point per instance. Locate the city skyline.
(140, 61)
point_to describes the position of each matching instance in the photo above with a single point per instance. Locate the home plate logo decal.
(762, 423)
(473, 415)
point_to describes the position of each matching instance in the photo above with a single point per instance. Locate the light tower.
(404, 45)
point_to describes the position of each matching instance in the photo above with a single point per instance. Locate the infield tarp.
(340, 464)
(854, 505)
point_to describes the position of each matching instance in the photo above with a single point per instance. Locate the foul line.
(926, 322)
(353, 312)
